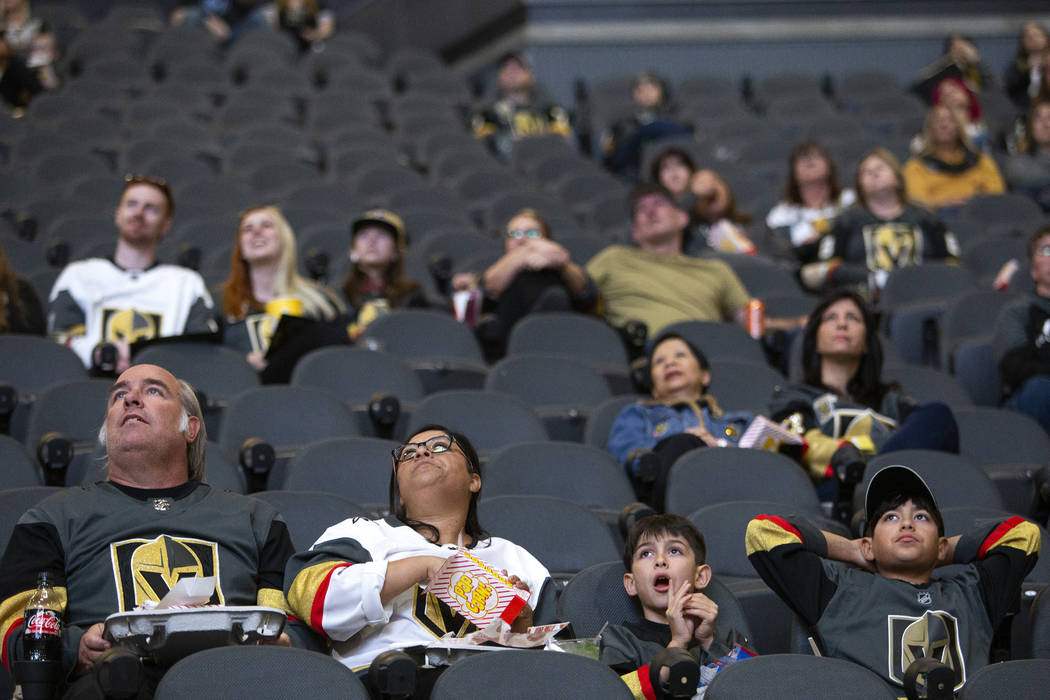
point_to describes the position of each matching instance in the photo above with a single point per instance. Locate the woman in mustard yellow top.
(948, 171)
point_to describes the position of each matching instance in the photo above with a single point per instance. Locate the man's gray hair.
(195, 451)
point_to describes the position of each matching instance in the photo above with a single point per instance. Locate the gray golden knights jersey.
(111, 551)
(885, 624)
(95, 300)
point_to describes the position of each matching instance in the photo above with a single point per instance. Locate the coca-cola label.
(44, 622)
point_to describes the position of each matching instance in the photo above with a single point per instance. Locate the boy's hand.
(705, 613)
(682, 624)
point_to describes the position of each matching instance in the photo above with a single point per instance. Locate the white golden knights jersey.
(335, 587)
(94, 300)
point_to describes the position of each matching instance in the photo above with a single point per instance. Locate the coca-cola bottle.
(42, 623)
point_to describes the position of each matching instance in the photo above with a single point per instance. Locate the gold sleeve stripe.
(1015, 532)
(766, 532)
(11, 616)
(308, 590)
(638, 683)
(272, 598)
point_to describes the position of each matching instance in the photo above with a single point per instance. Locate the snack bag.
(472, 588)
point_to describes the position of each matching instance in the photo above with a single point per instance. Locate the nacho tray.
(165, 636)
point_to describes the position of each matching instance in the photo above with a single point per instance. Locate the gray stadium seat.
(356, 468)
(309, 513)
(489, 419)
(245, 672)
(797, 675)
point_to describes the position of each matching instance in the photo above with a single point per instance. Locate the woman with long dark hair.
(843, 399)
(811, 200)
(362, 584)
(20, 310)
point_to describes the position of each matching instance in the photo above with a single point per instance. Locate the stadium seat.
(743, 385)
(245, 672)
(912, 302)
(441, 350)
(1040, 622)
(711, 475)
(926, 384)
(582, 474)
(724, 525)
(31, 364)
(77, 410)
(356, 468)
(797, 675)
(286, 417)
(583, 337)
(489, 419)
(16, 501)
(1011, 448)
(562, 391)
(521, 674)
(309, 513)
(17, 468)
(221, 472)
(356, 375)
(721, 340)
(564, 536)
(1008, 681)
(596, 434)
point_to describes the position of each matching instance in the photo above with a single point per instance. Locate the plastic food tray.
(168, 635)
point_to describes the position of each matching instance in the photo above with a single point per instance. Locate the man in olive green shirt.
(655, 283)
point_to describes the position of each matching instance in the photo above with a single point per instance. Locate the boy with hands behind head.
(666, 572)
(891, 610)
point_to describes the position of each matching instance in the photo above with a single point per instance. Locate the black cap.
(893, 480)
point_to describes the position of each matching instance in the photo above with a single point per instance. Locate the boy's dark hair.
(896, 500)
(665, 524)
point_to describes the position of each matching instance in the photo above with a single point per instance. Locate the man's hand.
(283, 641)
(91, 647)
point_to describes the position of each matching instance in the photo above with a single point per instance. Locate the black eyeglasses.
(435, 445)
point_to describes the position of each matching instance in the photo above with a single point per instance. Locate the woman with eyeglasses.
(535, 273)
(362, 584)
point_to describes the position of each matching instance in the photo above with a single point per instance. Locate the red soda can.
(756, 318)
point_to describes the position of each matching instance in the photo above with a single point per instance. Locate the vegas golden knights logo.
(129, 325)
(437, 617)
(260, 328)
(891, 245)
(935, 635)
(148, 569)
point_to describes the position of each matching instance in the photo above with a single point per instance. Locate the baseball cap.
(896, 479)
(384, 218)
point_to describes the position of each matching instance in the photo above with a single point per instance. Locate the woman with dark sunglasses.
(362, 584)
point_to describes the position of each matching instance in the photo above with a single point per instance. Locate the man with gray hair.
(116, 544)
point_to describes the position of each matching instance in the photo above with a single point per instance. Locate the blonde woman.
(263, 272)
(948, 170)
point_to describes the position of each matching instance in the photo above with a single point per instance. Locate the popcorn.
(472, 588)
